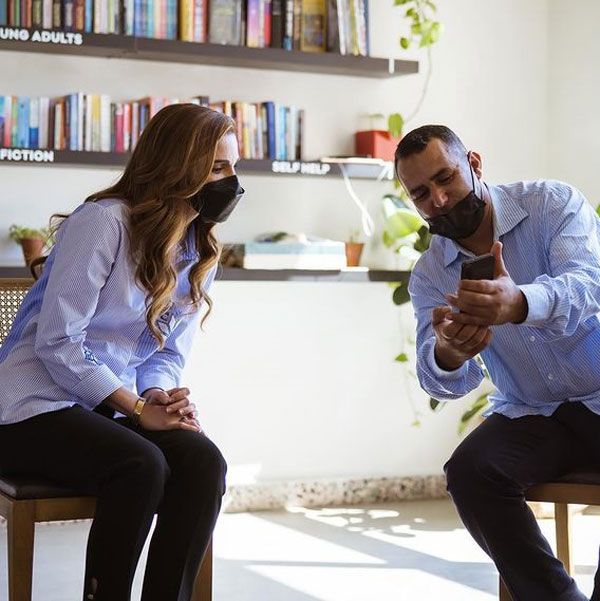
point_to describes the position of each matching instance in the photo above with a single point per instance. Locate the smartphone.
(479, 268)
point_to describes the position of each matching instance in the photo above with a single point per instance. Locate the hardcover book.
(225, 22)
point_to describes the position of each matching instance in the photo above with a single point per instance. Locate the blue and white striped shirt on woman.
(550, 237)
(81, 331)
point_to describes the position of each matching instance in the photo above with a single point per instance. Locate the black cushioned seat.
(19, 487)
(583, 477)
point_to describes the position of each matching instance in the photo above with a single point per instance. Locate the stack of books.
(315, 254)
(92, 122)
(340, 26)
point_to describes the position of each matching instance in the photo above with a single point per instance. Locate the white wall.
(275, 376)
(574, 89)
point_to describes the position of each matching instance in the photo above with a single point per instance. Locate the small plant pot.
(376, 143)
(32, 249)
(353, 253)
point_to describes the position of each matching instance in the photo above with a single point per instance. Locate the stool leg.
(203, 586)
(563, 535)
(504, 594)
(20, 530)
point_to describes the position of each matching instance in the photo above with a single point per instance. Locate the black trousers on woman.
(178, 475)
(488, 475)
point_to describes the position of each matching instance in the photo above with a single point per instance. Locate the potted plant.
(354, 249)
(379, 142)
(32, 241)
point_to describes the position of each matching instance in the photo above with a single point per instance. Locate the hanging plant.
(424, 32)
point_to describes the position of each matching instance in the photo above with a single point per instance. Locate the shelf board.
(108, 160)
(176, 51)
(233, 274)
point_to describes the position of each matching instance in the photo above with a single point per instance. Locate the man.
(537, 328)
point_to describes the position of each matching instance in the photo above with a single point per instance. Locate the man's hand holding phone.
(487, 302)
(456, 343)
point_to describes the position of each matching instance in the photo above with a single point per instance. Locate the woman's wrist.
(137, 410)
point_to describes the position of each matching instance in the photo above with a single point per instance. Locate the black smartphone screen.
(479, 268)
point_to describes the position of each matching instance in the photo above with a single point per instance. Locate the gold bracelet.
(137, 410)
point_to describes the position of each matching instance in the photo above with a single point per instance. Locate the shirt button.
(550, 377)
(532, 339)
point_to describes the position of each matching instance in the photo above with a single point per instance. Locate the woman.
(107, 329)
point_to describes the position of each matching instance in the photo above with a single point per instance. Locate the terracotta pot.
(353, 252)
(32, 249)
(376, 143)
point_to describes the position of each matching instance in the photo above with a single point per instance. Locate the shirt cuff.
(538, 304)
(440, 373)
(95, 387)
(154, 379)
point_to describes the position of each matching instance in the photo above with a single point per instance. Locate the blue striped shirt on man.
(551, 248)
(81, 331)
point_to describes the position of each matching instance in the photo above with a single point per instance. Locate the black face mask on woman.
(215, 201)
(463, 219)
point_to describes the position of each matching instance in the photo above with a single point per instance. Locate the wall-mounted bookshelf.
(234, 274)
(175, 51)
(107, 160)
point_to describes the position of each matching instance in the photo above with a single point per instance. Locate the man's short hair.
(416, 141)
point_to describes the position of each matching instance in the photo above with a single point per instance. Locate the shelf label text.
(26, 155)
(300, 167)
(66, 38)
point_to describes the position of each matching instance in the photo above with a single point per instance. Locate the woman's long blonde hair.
(172, 160)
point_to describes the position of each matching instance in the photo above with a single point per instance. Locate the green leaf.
(424, 240)
(395, 124)
(401, 358)
(387, 239)
(431, 5)
(402, 223)
(435, 405)
(401, 2)
(476, 408)
(598, 210)
(401, 296)
(412, 12)
(404, 43)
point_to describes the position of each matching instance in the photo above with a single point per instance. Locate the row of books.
(340, 26)
(92, 122)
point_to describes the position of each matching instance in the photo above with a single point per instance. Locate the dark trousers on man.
(178, 475)
(488, 475)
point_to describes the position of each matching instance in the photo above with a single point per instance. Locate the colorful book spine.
(313, 29)
(34, 123)
(6, 141)
(277, 24)
(253, 25)
(37, 13)
(23, 122)
(47, 14)
(2, 120)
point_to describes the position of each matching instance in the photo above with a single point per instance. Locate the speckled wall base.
(319, 493)
(340, 491)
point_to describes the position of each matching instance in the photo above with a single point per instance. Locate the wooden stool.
(581, 488)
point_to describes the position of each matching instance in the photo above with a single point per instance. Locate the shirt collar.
(507, 214)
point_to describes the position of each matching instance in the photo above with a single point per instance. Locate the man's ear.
(476, 163)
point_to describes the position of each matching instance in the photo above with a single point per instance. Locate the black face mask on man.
(463, 219)
(215, 201)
